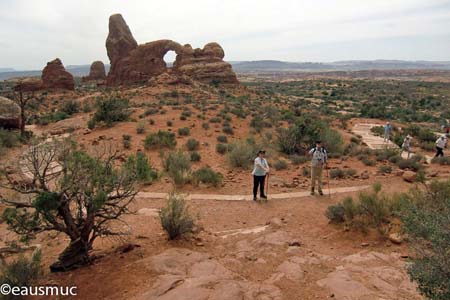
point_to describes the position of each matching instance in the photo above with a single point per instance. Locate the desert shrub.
(111, 110)
(51, 118)
(373, 209)
(159, 140)
(386, 154)
(151, 122)
(175, 217)
(355, 140)
(215, 120)
(411, 164)
(192, 144)
(337, 173)
(70, 107)
(140, 128)
(367, 161)
(222, 139)
(205, 125)
(126, 141)
(257, 123)
(140, 165)
(441, 160)
(385, 169)
(8, 139)
(221, 148)
(208, 176)
(300, 136)
(185, 131)
(350, 172)
(21, 272)
(241, 154)
(333, 141)
(178, 167)
(298, 159)
(228, 130)
(195, 156)
(280, 164)
(425, 220)
(377, 130)
(335, 213)
(169, 123)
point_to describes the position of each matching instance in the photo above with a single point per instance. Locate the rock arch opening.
(169, 58)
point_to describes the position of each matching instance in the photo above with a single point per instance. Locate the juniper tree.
(72, 192)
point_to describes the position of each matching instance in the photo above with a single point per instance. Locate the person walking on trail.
(260, 170)
(319, 159)
(406, 146)
(441, 143)
(387, 131)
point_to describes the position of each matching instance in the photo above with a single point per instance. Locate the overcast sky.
(35, 31)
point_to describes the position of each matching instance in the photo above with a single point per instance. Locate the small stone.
(364, 244)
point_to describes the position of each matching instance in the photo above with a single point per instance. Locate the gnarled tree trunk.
(75, 255)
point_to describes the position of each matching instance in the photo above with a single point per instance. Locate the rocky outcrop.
(132, 63)
(55, 76)
(96, 72)
(9, 114)
(29, 85)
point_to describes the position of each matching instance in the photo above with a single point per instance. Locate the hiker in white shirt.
(260, 170)
(441, 143)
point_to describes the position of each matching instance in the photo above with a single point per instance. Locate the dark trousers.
(439, 152)
(258, 181)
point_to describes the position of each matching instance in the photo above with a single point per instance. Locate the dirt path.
(372, 141)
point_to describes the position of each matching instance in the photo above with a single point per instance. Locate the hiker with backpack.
(441, 143)
(319, 159)
(260, 171)
(406, 146)
(387, 131)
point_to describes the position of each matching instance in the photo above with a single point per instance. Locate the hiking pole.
(267, 186)
(328, 175)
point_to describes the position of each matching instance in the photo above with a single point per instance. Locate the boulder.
(96, 72)
(138, 64)
(9, 113)
(55, 76)
(409, 176)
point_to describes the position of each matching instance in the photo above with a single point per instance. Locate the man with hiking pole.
(319, 159)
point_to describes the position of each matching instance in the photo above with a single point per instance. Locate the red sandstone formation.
(96, 72)
(9, 113)
(132, 63)
(55, 76)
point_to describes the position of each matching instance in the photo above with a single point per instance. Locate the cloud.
(34, 32)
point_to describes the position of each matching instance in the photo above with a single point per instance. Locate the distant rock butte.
(96, 72)
(55, 76)
(132, 63)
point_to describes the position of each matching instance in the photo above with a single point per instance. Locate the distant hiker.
(406, 146)
(441, 143)
(318, 160)
(387, 131)
(260, 170)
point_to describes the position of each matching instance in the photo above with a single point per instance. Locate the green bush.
(126, 141)
(195, 156)
(426, 221)
(280, 164)
(8, 139)
(411, 164)
(441, 160)
(242, 154)
(178, 167)
(298, 160)
(337, 173)
(228, 130)
(111, 110)
(222, 139)
(192, 144)
(221, 148)
(175, 217)
(207, 176)
(185, 131)
(335, 213)
(140, 129)
(333, 141)
(159, 140)
(70, 107)
(169, 123)
(144, 171)
(385, 169)
(21, 272)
